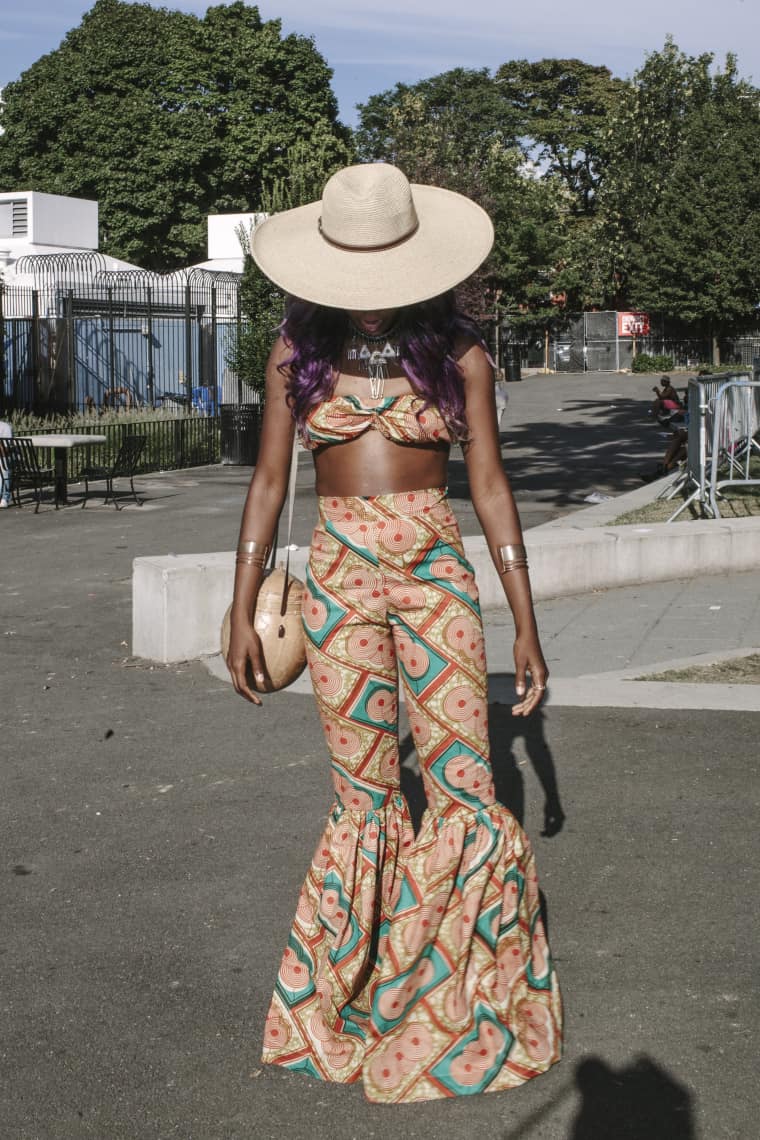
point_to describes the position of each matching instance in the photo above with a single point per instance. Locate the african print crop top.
(342, 418)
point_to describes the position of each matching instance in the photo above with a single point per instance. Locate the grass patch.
(737, 671)
(737, 503)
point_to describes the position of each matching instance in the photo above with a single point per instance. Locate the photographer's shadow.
(641, 1101)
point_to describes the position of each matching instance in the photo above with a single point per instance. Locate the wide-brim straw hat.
(374, 241)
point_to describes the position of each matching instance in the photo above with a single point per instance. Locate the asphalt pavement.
(155, 831)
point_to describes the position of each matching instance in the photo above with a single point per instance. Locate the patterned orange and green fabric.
(418, 964)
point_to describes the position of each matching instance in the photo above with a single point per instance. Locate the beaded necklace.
(373, 354)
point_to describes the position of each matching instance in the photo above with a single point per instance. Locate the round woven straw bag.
(277, 621)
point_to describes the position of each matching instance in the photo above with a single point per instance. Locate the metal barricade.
(734, 440)
(723, 420)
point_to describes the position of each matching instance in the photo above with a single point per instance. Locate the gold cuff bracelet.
(252, 553)
(249, 560)
(253, 546)
(511, 557)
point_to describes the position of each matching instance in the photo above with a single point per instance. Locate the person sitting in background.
(6, 431)
(667, 404)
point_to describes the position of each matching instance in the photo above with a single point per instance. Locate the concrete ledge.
(602, 514)
(575, 560)
(179, 600)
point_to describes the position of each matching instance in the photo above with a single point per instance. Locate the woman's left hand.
(529, 660)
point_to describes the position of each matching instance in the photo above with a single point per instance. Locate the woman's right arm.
(263, 504)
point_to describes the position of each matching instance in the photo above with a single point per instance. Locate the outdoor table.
(61, 445)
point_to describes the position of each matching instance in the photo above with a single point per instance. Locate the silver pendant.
(377, 370)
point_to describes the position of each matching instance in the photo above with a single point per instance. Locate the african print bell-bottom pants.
(416, 964)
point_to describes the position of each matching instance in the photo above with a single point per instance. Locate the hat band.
(368, 248)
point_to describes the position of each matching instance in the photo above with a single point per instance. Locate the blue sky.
(372, 46)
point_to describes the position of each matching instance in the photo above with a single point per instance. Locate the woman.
(417, 964)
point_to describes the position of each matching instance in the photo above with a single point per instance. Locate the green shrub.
(27, 423)
(722, 370)
(648, 362)
(261, 309)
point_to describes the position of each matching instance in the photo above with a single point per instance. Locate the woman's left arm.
(495, 507)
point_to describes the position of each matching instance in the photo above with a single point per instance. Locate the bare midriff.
(371, 464)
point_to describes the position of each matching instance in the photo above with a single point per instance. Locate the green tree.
(458, 131)
(164, 117)
(261, 307)
(562, 109)
(454, 117)
(698, 255)
(530, 217)
(646, 131)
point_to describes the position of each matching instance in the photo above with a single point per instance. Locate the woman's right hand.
(245, 660)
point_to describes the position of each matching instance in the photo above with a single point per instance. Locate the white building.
(225, 253)
(35, 223)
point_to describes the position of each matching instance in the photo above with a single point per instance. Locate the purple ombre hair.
(427, 334)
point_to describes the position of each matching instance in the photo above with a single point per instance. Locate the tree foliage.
(646, 133)
(604, 192)
(164, 117)
(562, 109)
(261, 308)
(698, 255)
(674, 229)
(462, 113)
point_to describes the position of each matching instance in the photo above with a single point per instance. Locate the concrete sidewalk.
(156, 830)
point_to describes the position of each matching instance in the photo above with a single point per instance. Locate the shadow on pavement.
(590, 445)
(639, 1101)
(505, 730)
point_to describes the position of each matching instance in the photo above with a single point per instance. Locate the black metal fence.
(686, 352)
(590, 342)
(118, 339)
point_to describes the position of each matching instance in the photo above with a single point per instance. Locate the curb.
(620, 688)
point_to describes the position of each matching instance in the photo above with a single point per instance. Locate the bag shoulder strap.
(291, 497)
(291, 502)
